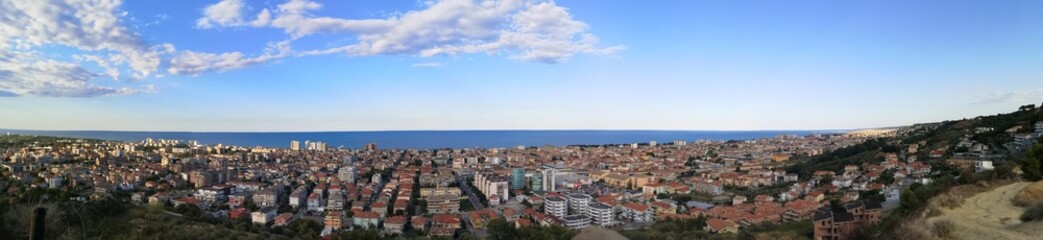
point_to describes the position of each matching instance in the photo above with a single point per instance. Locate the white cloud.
(223, 13)
(231, 13)
(263, 19)
(527, 30)
(93, 27)
(193, 63)
(85, 25)
(538, 31)
(294, 19)
(26, 74)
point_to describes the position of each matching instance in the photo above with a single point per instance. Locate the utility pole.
(38, 224)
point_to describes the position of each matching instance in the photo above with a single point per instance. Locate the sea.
(428, 139)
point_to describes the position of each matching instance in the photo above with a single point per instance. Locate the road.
(478, 233)
(460, 181)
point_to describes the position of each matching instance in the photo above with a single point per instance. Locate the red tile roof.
(367, 215)
(636, 207)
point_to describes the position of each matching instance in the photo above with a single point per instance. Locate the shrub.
(1035, 213)
(943, 228)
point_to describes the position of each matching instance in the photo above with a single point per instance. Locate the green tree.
(1031, 163)
(886, 177)
(909, 199)
(499, 229)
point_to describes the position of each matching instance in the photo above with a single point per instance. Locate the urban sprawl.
(443, 192)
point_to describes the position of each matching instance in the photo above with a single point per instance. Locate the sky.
(313, 65)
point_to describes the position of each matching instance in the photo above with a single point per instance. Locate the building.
(395, 225)
(295, 145)
(637, 212)
(283, 219)
(212, 194)
(536, 181)
(983, 165)
(837, 225)
(443, 203)
(315, 202)
(579, 202)
(315, 146)
(800, 210)
(576, 221)
(200, 179)
(263, 216)
(556, 206)
(708, 186)
(493, 187)
(266, 198)
(371, 147)
(518, 178)
(336, 202)
(237, 213)
(428, 192)
(478, 218)
(717, 225)
(367, 220)
(347, 174)
(299, 197)
(419, 224)
(550, 172)
(334, 220)
(601, 214)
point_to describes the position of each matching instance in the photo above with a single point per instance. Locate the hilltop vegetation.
(21, 141)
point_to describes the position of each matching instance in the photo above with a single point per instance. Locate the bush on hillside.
(1035, 213)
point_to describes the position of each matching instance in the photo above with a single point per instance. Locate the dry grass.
(980, 211)
(1031, 195)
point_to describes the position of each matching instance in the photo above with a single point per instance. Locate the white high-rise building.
(493, 187)
(550, 172)
(601, 214)
(556, 206)
(295, 145)
(315, 146)
(577, 221)
(347, 174)
(578, 203)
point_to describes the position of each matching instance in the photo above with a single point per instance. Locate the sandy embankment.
(990, 215)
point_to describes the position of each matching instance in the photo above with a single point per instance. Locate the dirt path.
(991, 215)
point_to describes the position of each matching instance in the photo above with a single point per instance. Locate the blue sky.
(221, 65)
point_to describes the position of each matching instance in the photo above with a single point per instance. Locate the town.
(730, 185)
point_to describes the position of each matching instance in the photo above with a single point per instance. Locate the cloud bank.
(523, 30)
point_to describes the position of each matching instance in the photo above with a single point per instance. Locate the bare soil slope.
(989, 215)
(597, 233)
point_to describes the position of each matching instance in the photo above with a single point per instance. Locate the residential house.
(263, 216)
(716, 225)
(367, 220)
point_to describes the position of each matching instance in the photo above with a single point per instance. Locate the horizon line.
(460, 130)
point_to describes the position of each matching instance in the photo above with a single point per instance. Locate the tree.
(966, 177)
(1030, 163)
(887, 177)
(909, 199)
(499, 229)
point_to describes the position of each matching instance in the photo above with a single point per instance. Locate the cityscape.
(727, 187)
(521, 119)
